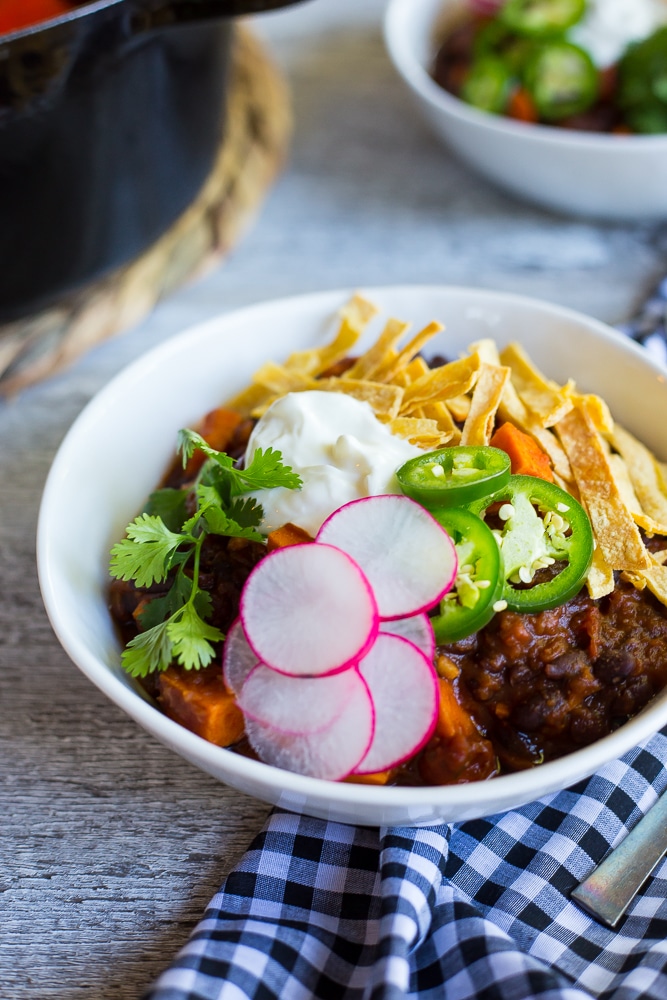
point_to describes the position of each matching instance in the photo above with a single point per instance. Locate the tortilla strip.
(367, 364)
(355, 317)
(597, 410)
(417, 367)
(391, 366)
(600, 579)
(544, 398)
(622, 479)
(487, 350)
(661, 469)
(459, 407)
(443, 383)
(448, 429)
(478, 427)
(613, 526)
(654, 578)
(278, 380)
(644, 476)
(420, 431)
(513, 409)
(249, 399)
(384, 399)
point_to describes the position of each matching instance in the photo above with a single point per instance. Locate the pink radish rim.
(236, 625)
(344, 774)
(422, 609)
(352, 660)
(298, 732)
(431, 727)
(429, 629)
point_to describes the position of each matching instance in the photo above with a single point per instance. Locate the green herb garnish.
(164, 540)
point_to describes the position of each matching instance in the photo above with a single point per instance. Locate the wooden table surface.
(110, 845)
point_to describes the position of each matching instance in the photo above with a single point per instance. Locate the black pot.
(110, 120)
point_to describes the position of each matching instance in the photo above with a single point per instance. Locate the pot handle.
(149, 14)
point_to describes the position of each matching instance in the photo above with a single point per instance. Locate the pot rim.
(95, 6)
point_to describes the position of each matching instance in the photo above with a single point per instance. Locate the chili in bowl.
(552, 116)
(555, 683)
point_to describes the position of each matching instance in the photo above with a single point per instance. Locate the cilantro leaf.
(148, 651)
(189, 441)
(164, 541)
(191, 638)
(266, 471)
(144, 555)
(239, 521)
(170, 505)
(246, 512)
(160, 608)
(219, 523)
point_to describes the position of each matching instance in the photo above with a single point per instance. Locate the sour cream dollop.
(609, 26)
(338, 447)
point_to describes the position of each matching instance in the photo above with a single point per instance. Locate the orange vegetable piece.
(522, 107)
(17, 14)
(217, 428)
(526, 456)
(453, 720)
(378, 778)
(457, 751)
(288, 534)
(199, 700)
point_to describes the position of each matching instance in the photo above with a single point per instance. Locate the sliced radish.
(408, 558)
(332, 753)
(404, 688)
(417, 629)
(297, 704)
(238, 658)
(308, 610)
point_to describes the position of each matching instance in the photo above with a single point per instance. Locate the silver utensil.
(609, 890)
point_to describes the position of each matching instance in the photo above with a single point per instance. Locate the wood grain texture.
(110, 845)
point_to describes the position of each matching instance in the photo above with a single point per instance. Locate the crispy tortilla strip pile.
(615, 477)
(391, 376)
(619, 482)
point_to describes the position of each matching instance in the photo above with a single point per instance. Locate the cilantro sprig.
(164, 542)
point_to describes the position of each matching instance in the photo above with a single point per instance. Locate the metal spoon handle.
(609, 890)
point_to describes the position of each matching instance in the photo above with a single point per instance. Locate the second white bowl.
(614, 177)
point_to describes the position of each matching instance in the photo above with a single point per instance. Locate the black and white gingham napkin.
(475, 911)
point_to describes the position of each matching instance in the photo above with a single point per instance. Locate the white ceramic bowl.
(580, 173)
(104, 470)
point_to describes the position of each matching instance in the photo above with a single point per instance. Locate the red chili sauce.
(18, 14)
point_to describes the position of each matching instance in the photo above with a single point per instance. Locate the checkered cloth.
(476, 911)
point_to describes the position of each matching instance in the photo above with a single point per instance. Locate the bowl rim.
(526, 785)
(415, 74)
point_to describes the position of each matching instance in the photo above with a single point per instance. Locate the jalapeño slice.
(541, 18)
(487, 84)
(562, 80)
(468, 606)
(543, 528)
(454, 477)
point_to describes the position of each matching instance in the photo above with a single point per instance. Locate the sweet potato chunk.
(378, 778)
(288, 534)
(457, 751)
(526, 456)
(199, 700)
